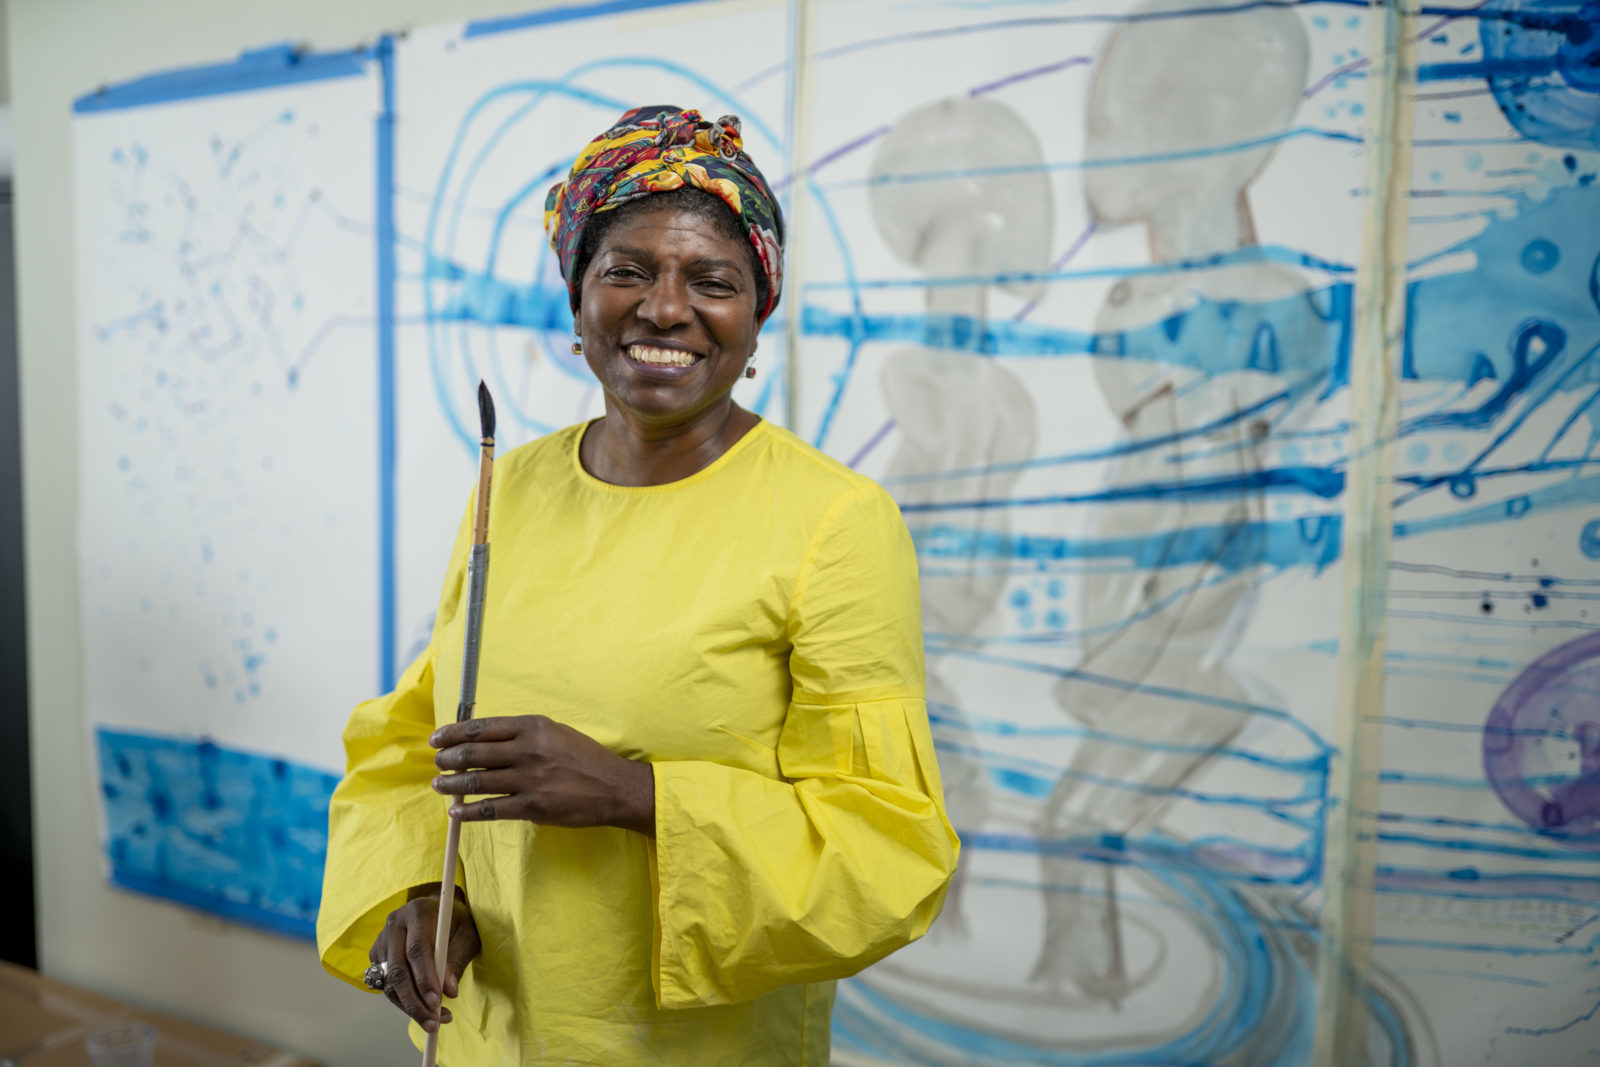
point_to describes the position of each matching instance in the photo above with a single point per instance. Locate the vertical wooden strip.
(799, 124)
(1344, 965)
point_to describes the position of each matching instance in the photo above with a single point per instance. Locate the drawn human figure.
(1197, 101)
(955, 410)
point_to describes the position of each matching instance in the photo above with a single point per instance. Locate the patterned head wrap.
(657, 149)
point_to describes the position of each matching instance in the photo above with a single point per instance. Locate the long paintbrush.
(477, 577)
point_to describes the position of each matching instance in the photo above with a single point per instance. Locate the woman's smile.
(661, 356)
(662, 362)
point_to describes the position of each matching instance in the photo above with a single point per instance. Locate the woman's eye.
(623, 272)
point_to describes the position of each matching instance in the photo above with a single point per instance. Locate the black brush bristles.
(486, 411)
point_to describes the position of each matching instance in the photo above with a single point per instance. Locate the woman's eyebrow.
(625, 250)
(711, 261)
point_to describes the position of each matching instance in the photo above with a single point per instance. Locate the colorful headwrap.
(657, 149)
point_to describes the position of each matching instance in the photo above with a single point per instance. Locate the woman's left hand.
(531, 767)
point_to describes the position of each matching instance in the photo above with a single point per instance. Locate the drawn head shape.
(959, 188)
(1181, 89)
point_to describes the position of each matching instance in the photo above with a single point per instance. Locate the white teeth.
(669, 356)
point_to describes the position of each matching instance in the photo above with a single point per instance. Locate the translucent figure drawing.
(956, 411)
(1178, 95)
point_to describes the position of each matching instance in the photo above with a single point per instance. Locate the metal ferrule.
(477, 579)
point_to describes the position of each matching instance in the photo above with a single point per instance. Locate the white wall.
(151, 953)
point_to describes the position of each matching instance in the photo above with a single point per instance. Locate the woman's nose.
(666, 303)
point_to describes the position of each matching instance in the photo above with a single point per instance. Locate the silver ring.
(377, 976)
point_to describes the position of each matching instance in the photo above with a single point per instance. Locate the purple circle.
(1541, 745)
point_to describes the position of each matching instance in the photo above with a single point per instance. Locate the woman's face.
(668, 315)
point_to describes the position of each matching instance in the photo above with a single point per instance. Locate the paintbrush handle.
(472, 632)
(441, 935)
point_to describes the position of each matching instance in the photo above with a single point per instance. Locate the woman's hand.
(406, 944)
(534, 768)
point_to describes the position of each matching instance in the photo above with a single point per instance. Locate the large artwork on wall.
(1092, 323)
(1077, 282)
(229, 451)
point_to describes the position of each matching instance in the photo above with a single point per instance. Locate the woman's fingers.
(477, 783)
(424, 971)
(400, 984)
(531, 767)
(492, 728)
(464, 948)
(490, 754)
(483, 810)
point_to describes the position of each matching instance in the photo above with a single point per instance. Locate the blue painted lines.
(155, 313)
(1542, 1031)
(1312, 541)
(489, 301)
(552, 16)
(236, 833)
(388, 668)
(1263, 957)
(1321, 482)
(260, 68)
(955, 174)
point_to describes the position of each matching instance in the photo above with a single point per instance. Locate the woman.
(709, 784)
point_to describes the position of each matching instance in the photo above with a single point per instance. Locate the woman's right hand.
(406, 944)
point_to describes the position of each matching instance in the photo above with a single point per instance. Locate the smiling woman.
(705, 785)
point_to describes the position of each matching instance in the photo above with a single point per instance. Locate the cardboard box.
(43, 1023)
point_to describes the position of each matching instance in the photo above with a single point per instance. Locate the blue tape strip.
(388, 668)
(485, 27)
(260, 68)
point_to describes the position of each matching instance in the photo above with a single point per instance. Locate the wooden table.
(43, 1024)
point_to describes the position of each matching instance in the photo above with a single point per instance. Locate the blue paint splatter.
(1542, 68)
(226, 831)
(1540, 255)
(1589, 539)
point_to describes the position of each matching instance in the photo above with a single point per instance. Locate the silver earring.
(750, 371)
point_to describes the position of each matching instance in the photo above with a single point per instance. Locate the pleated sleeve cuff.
(382, 849)
(762, 882)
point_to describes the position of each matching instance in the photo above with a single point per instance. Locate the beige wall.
(149, 952)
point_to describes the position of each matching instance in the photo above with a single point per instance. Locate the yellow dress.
(754, 632)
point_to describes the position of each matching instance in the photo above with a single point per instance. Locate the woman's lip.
(663, 346)
(663, 372)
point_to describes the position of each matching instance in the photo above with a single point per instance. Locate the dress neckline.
(710, 469)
